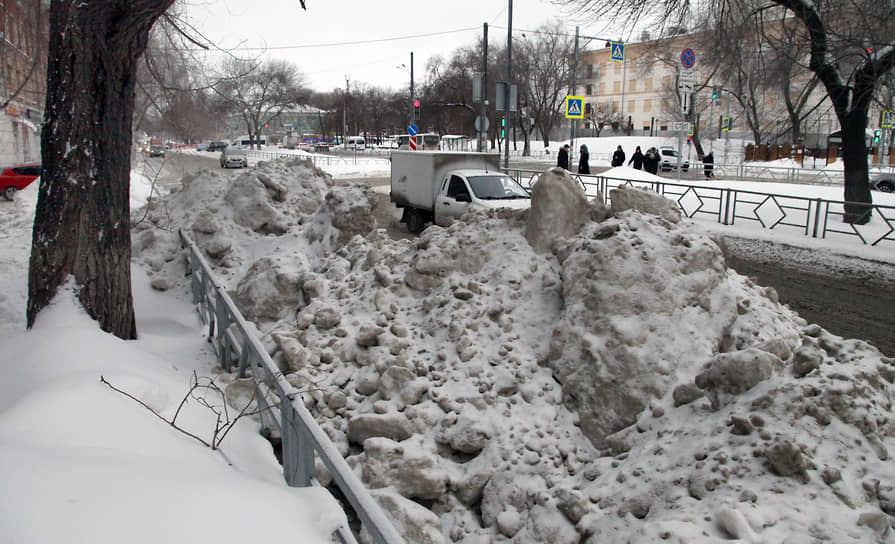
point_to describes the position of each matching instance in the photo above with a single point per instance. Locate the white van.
(356, 143)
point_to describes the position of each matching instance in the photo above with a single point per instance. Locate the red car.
(16, 178)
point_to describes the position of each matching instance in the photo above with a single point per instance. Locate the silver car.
(233, 157)
(884, 183)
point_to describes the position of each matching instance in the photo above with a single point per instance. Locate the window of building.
(632, 106)
(602, 88)
(590, 71)
(618, 67)
(632, 85)
(616, 86)
(663, 127)
(648, 84)
(590, 89)
(647, 105)
(588, 108)
(666, 81)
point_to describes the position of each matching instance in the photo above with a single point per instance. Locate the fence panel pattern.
(281, 405)
(813, 217)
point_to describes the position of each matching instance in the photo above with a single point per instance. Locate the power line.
(360, 42)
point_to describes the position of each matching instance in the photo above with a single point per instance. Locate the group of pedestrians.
(562, 159)
(648, 161)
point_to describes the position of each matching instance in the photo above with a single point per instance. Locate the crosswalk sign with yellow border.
(574, 107)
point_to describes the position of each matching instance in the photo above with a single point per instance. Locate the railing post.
(726, 207)
(816, 218)
(298, 453)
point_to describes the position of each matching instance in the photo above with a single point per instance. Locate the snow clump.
(570, 373)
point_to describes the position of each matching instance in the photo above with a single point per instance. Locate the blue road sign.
(413, 130)
(888, 119)
(574, 107)
(618, 51)
(688, 58)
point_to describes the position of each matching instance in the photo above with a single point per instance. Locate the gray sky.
(366, 40)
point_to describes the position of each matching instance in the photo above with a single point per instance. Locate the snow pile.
(619, 384)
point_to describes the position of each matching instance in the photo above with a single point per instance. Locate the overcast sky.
(367, 40)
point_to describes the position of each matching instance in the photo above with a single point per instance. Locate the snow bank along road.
(848, 296)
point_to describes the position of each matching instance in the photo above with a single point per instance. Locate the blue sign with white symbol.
(888, 119)
(618, 51)
(688, 58)
(413, 130)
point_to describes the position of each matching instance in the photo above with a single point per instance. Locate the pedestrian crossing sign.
(618, 51)
(888, 120)
(725, 124)
(574, 107)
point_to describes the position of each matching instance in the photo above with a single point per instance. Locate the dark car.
(884, 183)
(321, 146)
(16, 178)
(216, 146)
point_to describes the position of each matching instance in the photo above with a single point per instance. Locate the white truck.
(439, 186)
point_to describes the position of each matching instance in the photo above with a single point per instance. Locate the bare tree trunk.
(82, 221)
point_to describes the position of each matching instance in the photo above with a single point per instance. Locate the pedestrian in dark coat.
(583, 166)
(651, 160)
(709, 162)
(618, 158)
(636, 159)
(562, 158)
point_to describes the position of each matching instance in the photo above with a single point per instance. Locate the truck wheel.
(415, 222)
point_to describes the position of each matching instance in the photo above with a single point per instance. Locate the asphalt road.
(848, 296)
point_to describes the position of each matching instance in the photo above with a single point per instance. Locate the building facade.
(23, 67)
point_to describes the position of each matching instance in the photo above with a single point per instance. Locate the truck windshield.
(496, 186)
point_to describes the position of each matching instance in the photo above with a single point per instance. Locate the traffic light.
(716, 91)
(503, 125)
(416, 110)
(876, 135)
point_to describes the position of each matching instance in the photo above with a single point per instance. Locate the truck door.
(453, 200)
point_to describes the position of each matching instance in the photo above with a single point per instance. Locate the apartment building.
(24, 25)
(637, 93)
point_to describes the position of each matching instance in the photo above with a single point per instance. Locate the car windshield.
(234, 151)
(496, 186)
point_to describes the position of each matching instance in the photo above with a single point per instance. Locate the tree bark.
(82, 220)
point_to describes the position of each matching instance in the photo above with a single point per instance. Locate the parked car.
(321, 146)
(234, 157)
(884, 183)
(16, 178)
(202, 146)
(668, 160)
(306, 147)
(216, 146)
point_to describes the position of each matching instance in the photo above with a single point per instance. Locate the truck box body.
(416, 175)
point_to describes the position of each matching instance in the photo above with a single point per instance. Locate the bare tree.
(258, 92)
(851, 44)
(82, 220)
(545, 67)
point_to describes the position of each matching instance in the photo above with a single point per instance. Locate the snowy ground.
(621, 386)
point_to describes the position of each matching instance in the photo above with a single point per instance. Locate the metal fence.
(302, 438)
(813, 217)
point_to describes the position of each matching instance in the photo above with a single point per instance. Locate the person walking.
(636, 159)
(562, 158)
(709, 165)
(584, 156)
(651, 160)
(618, 158)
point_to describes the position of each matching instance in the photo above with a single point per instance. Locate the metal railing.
(814, 217)
(302, 437)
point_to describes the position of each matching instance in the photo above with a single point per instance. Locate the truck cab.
(462, 191)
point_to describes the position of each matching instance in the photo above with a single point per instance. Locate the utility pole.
(411, 89)
(483, 134)
(345, 113)
(574, 85)
(506, 101)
